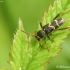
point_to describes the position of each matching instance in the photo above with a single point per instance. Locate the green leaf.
(26, 53)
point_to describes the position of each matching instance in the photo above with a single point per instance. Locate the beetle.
(48, 28)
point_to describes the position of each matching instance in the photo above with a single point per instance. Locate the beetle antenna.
(28, 33)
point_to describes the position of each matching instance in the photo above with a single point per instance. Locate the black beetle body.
(48, 28)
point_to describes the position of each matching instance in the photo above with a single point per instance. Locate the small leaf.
(27, 54)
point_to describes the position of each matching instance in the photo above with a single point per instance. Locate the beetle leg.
(64, 28)
(60, 14)
(56, 16)
(46, 43)
(49, 38)
(41, 25)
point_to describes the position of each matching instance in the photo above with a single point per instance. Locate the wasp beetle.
(48, 28)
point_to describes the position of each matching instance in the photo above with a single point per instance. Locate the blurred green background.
(30, 12)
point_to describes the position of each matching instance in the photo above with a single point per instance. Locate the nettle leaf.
(26, 53)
